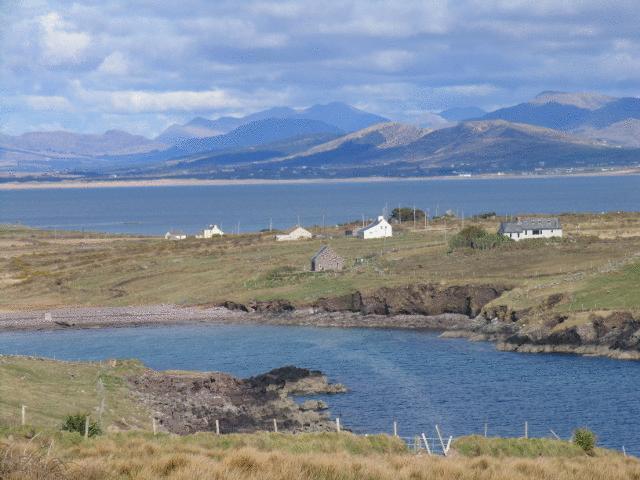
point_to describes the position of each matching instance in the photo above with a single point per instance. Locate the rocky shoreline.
(188, 402)
(458, 311)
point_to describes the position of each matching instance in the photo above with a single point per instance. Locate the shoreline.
(72, 184)
(448, 325)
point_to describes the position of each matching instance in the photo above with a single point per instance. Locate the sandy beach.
(63, 184)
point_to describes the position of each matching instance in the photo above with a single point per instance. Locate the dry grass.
(202, 457)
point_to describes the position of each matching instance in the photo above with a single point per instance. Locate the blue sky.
(139, 66)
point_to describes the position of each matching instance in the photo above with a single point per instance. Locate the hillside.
(591, 115)
(473, 147)
(259, 132)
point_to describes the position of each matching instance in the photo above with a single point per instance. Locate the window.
(537, 232)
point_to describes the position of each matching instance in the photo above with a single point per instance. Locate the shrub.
(476, 238)
(405, 214)
(76, 423)
(585, 439)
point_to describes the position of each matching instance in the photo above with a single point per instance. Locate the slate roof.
(530, 224)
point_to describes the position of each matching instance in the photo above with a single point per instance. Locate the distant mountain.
(469, 147)
(626, 132)
(580, 113)
(343, 116)
(258, 133)
(459, 114)
(36, 150)
(585, 100)
(62, 142)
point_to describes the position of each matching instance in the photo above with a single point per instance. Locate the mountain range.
(555, 131)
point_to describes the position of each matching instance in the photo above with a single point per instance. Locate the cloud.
(44, 102)
(61, 46)
(114, 64)
(88, 65)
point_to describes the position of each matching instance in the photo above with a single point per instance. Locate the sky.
(142, 65)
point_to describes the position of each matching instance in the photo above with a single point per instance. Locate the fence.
(435, 444)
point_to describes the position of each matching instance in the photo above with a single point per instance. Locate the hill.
(591, 115)
(470, 147)
(340, 115)
(258, 133)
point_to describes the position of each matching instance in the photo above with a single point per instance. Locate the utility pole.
(414, 216)
(363, 220)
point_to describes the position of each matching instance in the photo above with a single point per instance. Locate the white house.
(212, 231)
(297, 233)
(175, 235)
(531, 228)
(378, 229)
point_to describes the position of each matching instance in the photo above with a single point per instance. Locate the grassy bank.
(279, 456)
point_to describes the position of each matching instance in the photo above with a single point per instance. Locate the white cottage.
(212, 231)
(175, 235)
(531, 228)
(297, 233)
(378, 229)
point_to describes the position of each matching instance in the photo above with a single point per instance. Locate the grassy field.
(596, 265)
(52, 389)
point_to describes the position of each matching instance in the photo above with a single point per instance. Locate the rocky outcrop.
(419, 299)
(185, 403)
(616, 334)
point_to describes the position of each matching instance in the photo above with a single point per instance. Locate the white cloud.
(114, 64)
(472, 90)
(392, 60)
(61, 46)
(51, 102)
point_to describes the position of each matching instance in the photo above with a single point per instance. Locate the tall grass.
(276, 457)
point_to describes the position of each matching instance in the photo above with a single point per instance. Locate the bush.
(405, 214)
(476, 238)
(76, 423)
(585, 439)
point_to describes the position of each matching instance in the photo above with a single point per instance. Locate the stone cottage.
(326, 260)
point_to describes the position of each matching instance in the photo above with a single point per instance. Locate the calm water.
(412, 376)
(252, 207)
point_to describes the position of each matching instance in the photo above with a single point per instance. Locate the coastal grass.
(52, 389)
(43, 269)
(324, 457)
(475, 446)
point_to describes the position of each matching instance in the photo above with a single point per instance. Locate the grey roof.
(325, 249)
(530, 224)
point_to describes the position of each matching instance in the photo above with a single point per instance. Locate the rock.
(189, 402)
(271, 306)
(315, 405)
(420, 299)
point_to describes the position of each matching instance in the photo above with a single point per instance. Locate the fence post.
(217, 427)
(275, 425)
(624, 451)
(24, 415)
(155, 426)
(86, 427)
(555, 434)
(395, 428)
(441, 441)
(426, 443)
(338, 424)
(526, 429)
(449, 442)
(486, 428)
